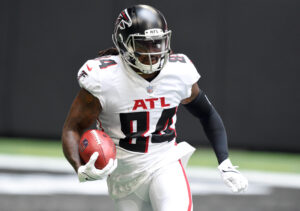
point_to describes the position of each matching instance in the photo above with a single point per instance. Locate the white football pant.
(168, 190)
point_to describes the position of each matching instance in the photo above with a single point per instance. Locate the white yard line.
(43, 184)
(284, 180)
(202, 180)
(34, 163)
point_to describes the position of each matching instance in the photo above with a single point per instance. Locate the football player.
(133, 92)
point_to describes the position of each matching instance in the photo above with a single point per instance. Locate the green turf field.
(251, 160)
(49, 148)
(265, 161)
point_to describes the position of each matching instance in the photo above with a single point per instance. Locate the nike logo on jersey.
(150, 103)
(89, 68)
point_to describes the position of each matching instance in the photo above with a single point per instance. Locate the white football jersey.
(139, 115)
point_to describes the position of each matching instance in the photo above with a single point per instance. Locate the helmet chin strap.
(147, 69)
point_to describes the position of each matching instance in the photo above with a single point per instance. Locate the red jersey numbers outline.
(175, 58)
(105, 63)
(136, 125)
(163, 131)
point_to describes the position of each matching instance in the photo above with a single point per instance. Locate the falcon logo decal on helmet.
(123, 20)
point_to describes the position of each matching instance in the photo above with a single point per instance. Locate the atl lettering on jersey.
(150, 103)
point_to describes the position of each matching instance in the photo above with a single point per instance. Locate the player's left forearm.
(216, 133)
(212, 124)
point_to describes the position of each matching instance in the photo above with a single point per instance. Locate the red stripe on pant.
(188, 187)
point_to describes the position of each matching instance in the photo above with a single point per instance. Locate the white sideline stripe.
(284, 180)
(204, 177)
(41, 184)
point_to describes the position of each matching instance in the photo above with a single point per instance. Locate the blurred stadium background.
(246, 51)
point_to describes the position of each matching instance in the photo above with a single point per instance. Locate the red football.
(97, 141)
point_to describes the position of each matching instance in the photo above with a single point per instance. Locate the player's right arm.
(82, 114)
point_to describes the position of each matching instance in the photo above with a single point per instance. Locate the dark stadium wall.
(246, 51)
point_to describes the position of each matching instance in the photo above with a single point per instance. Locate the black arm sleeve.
(212, 124)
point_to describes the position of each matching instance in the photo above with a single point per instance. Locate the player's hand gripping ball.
(97, 141)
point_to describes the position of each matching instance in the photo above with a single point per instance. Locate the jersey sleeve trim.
(89, 80)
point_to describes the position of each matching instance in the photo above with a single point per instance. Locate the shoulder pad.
(87, 75)
(107, 61)
(185, 68)
(179, 59)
